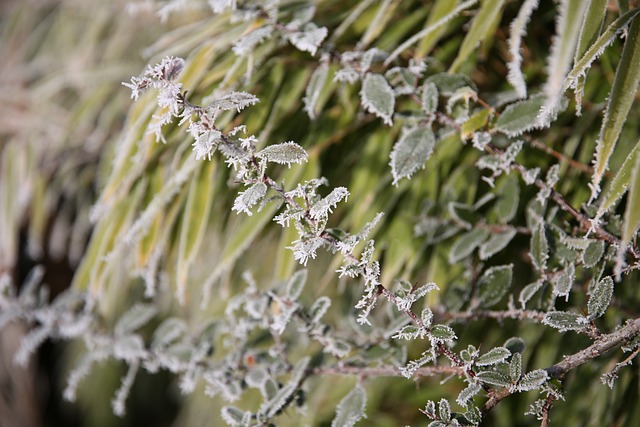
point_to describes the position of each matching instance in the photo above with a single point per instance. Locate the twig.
(386, 371)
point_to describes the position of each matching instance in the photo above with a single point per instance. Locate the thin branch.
(599, 347)
(443, 316)
(386, 371)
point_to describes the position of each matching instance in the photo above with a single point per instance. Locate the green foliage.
(422, 161)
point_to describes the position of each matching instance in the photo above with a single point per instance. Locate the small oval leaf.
(377, 97)
(494, 284)
(411, 152)
(600, 297)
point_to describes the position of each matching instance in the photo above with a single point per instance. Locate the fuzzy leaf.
(631, 214)
(350, 410)
(442, 333)
(593, 253)
(169, 330)
(232, 416)
(495, 244)
(621, 98)
(444, 410)
(319, 308)
(411, 152)
(466, 244)
(129, 348)
(507, 204)
(515, 367)
(296, 284)
(309, 39)
(600, 297)
(539, 248)
(377, 97)
(620, 182)
(528, 292)
(533, 380)
(521, 117)
(493, 357)
(564, 281)
(134, 318)
(285, 153)
(249, 198)
(234, 101)
(517, 31)
(564, 320)
(494, 284)
(467, 394)
(493, 378)
(429, 98)
(314, 89)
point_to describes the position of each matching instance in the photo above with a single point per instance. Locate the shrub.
(387, 210)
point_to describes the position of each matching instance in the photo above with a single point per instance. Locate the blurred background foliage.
(79, 176)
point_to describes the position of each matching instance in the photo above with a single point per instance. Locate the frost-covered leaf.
(234, 416)
(517, 30)
(507, 204)
(249, 198)
(493, 378)
(467, 394)
(314, 89)
(296, 284)
(410, 332)
(444, 410)
(309, 39)
(564, 281)
(593, 253)
(493, 357)
(442, 333)
(529, 291)
(169, 330)
(621, 98)
(350, 410)
(515, 345)
(284, 154)
(234, 101)
(284, 396)
(448, 83)
(322, 208)
(631, 216)
(494, 284)
(515, 367)
(134, 318)
(247, 44)
(600, 297)
(319, 308)
(411, 152)
(377, 97)
(565, 320)
(429, 98)
(539, 248)
(620, 182)
(533, 380)
(466, 244)
(521, 117)
(495, 244)
(129, 348)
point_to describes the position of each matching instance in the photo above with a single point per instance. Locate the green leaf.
(429, 98)
(620, 182)
(350, 410)
(631, 214)
(564, 281)
(515, 367)
(593, 253)
(493, 357)
(169, 330)
(466, 244)
(319, 308)
(533, 380)
(515, 345)
(565, 320)
(233, 416)
(411, 152)
(447, 84)
(507, 204)
(442, 333)
(539, 248)
(621, 98)
(518, 29)
(136, 317)
(467, 394)
(528, 292)
(480, 29)
(493, 378)
(377, 97)
(600, 297)
(476, 122)
(494, 284)
(496, 243)
(444, 410)
(521, 116)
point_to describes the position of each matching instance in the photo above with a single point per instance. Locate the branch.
(387, 371)
(599, 347)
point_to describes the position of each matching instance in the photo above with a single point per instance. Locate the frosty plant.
(484, 217)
